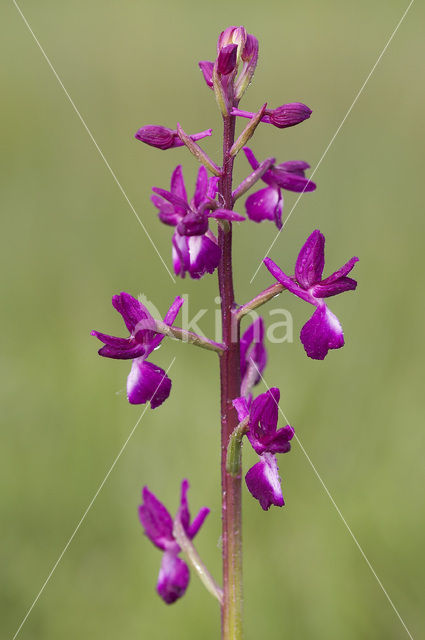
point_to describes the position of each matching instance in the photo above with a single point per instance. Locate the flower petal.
(342, 272)
(166, 211)
(263, 482)
(207, 70)
(147, 383)
(197, 523)
(265, 204)
(292, 181)
(156, 521)
(263, 415)
(242, 408)
(201, 186)
(177, 184)
(131, 310)
(279, 442)
(339, 286)
(251, 158)
(181, 258)
(322, 332)
(287, 281)
(204, 254)
(311, 260)
(128, 352)
(173, 578)
(226, 214)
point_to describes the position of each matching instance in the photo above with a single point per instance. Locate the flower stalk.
(230, 380)
(188, 336)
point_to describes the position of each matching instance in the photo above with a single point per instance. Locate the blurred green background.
(69, 241)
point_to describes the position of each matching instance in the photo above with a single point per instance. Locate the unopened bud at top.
(232, 35)
(227, 59)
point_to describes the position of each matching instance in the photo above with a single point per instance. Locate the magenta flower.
(174, 574)
(195, 247)
(253, 356)
(323, 331)
(263, 479)
(165, 138)
(267, 204)
(146, 382)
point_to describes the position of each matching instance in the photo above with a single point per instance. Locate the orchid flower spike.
(263, 479)
(323, 331)
(146, 382)
(174, 573)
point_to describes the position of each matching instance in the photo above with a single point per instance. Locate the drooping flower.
(146, 381)
(267, 204)
(253, 356)
(263, 479)
(287, 115)
(323, 331)
(165, 138)
(195, 247)
(174, 573)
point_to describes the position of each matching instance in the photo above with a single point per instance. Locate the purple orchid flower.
(146, 382)
(323, 331)
(263, 479)
(165, 138)
(195, 247)
(174, 573)
(253, 356)
(267, 204)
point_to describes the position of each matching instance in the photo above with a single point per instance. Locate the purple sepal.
(156, 521)
(322, 332)
(311, 260)
(207, 68)
(340, 273)
(147, 383)
(263, 482)
(327, 290)
(287, 281)
(184, 514)
(173, 578)
(289, 180)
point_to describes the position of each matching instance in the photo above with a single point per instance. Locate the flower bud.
(157, 136)
(227, 59)
(288, 115)
(165, 138)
